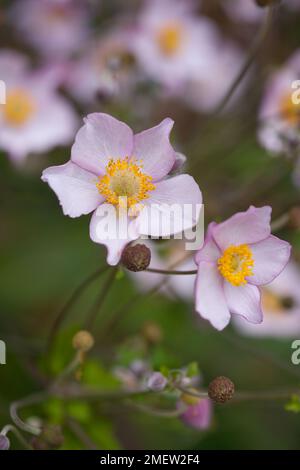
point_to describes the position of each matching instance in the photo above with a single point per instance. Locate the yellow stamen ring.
(236, 264)
(124, 178)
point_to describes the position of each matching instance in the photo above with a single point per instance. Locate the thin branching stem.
(71, 301)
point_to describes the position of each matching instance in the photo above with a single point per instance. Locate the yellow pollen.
(19, 107)
(236, 264)
(169, 38)
(289, 110)
(124, 178)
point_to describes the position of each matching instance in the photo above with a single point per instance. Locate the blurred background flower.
(142, 61)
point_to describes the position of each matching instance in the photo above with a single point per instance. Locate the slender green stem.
(10, 428)
(158, 412)
(28, 401)
(250, 396)
(170, 271)
(71, 301)
(100, 300)
(253, 51)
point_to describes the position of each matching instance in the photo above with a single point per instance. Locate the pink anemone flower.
(109, 164)
(237, 257)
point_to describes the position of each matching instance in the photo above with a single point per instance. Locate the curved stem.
(158, 412)
(100, 301)
(253, 51)
(70, 302)
(170, 271)
(10, 428)
(28, 401)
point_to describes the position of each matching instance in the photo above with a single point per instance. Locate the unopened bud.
(221, 389)
(4, 442)
(157, 382)
(152, 332)
(83, 341)
(136, 257)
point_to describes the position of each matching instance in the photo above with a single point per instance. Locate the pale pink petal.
(244, 301)
(75, 188)
(250, 226)
(210, 298)
(154, 149)
(174, 206)
(270, 258)
(198, 416)
(100, 139)
(112, 230)
(210, 250)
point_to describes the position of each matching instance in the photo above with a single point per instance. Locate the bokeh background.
(44, 255)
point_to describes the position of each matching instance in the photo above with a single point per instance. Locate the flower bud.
(4, 442)
(152, 332)
(156, 382)
(221, 389)
(198, 416)
(83, 341)
(136, 257)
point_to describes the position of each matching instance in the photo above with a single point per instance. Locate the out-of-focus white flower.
(181, 50)
(245, 10)
(169, 41)
(279, 115)
(248, 12)
(157, 382)
(106, 67)
(207, 88)
(35, 117)
(281, 306)
(56, 28)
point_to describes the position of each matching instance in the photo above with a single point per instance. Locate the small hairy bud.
(221, 389)
(4, 442)
(190, 399)
(265, 3)
(157, 382)
(83, 341)
(136, 257)
(152, 332)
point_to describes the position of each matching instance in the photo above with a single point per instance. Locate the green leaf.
(293, 405)
(95, 374)
(192, 369)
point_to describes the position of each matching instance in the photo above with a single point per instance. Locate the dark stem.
(70, 302)
(170, 271)
(253, 51)
(100, 300)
